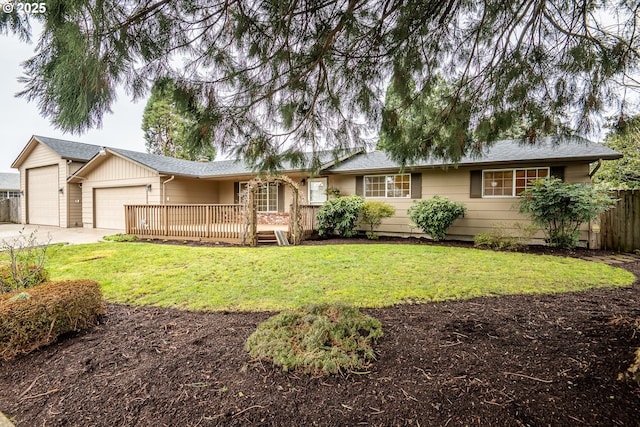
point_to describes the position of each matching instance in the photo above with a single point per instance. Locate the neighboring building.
(72, 184)
(9, 185)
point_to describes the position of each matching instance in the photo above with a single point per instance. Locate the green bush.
(35, 317)
(318, 339)
(340, 216)
(500, 238)
(373, 212)
(560, 208)
(435, 216)
(22, 277)
(120, 238)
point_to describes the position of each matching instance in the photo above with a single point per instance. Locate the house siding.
(117, 172)
(190, 191)
(483, 214)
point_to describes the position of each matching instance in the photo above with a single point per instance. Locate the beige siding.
(117, 172)
(225, 192)
(190, 191)
(483, 214)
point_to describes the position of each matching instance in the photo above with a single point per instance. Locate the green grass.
(275, 278)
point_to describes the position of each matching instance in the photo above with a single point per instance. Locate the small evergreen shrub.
(35, 317)
(436, 215)
(560, 208)
(372, 213)
(120, 238)
(339, 216)
(501, 239)
(318, 339)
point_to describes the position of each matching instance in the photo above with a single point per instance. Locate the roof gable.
(68, 150)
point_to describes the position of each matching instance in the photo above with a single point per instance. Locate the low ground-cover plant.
(560, 208)
(372, 214)
(318, 339)
(502, 239)
(26, 262)
(436, 215)
(35, 317)
(120, 237)
(339, 216)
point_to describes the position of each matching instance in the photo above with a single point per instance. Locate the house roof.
(68, 150)
(500, 152)
(10, 181)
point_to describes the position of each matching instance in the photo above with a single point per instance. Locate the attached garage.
(109, 205)
(43, 204)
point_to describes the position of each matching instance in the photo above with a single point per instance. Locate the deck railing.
(210, 222)
(199, 222)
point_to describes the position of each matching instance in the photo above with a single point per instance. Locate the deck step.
(267, 237)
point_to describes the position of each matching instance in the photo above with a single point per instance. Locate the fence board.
(620, 226)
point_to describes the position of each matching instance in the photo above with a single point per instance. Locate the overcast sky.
(20, 119)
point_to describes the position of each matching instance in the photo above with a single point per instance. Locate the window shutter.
(236, 192)
(280, 198)
(359, 186)
(557, 172)
(475, 188)
(416, 186)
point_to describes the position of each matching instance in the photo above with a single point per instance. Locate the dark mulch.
(517, 360)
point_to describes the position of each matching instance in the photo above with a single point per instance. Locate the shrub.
(372, 214)
(27, 258)
(436, 215)
(318, 339)
(560, 208)
(36, 317)
(31, 276)
(500, 238)
(340, 216)
(120, 238)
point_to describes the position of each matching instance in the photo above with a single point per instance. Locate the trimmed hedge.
(35, 317)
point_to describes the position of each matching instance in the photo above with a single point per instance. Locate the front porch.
(223, 223)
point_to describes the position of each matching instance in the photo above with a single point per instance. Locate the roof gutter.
(164, 188)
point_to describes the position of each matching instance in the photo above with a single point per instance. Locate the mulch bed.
(516, 360)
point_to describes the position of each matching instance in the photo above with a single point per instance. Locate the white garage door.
(109, 205)
(42, 196)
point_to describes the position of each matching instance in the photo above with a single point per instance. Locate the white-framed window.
(9, 194)
(389, 186)
(317, 190)
(267, 196)
(509, 182)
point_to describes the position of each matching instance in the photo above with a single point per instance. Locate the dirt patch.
(516, 360)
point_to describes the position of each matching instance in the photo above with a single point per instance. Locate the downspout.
(593, 172)
(164, 188)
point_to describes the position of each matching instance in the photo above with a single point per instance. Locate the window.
(509, 182)
(392, 186)
(317, 190)
(9, 194)
(267, 196)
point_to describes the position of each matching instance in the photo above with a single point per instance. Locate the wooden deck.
(223, 223)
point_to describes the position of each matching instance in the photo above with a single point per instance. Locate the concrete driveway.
(57, 234)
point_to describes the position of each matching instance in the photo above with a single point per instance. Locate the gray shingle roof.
(10, 181)
(507, 151)
(69, 149)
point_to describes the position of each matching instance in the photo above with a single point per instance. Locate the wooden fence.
(224, 223)
(620, 226)
(10, 210)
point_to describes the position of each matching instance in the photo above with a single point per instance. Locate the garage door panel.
(109, 205)
(42, 196)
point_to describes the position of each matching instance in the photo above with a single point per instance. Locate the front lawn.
(274, 278)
